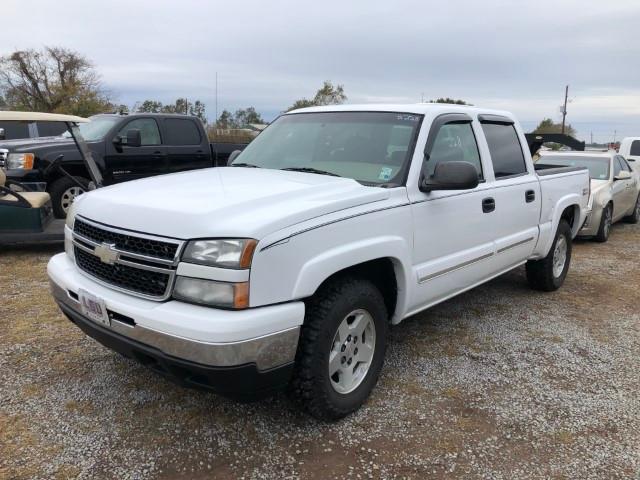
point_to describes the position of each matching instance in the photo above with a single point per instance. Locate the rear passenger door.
(515, 191)
(186, 147)
(124, 163)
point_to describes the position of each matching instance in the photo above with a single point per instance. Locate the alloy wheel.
(69, 196)
(559, 256)
(352, 351)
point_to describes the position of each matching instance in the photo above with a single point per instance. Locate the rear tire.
(345, 332)
(635, 215)
(605, 224)
(63, 191)
(549, 273)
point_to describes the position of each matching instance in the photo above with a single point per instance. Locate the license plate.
(94, 308)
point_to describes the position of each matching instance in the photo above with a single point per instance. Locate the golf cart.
(26, 216)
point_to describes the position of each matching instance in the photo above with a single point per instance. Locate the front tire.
(549, 273)
(63, 191)
(605, 224)
(635, 215)
(341, 350)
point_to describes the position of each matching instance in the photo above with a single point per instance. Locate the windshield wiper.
(310, 170)
(248, 165)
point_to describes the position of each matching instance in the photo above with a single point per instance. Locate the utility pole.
(216, 119)
(564, 108)
(591, 138)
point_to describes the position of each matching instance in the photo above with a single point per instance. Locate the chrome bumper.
(265, 352)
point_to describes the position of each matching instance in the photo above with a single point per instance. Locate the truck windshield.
(598, 166)
(96, 129)
(371, 147)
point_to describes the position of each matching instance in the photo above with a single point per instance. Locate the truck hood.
(223, 202)
(32, 145)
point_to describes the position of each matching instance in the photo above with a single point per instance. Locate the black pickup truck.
(125, 147)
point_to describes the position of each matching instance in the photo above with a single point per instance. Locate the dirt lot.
(501, 382)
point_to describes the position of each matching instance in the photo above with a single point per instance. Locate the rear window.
(15, 130)
(180, 131)
(505, 149)
(598, 166)
(51, 129)
(635, 148)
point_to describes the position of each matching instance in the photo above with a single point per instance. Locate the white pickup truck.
(287, 268)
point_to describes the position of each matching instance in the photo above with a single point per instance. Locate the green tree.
(181, 106)
(450, 100)
(198, 109)
(328, 94)
(54, 79)
(547, 125)
(149, 106)
(246, 116)
(225, 120)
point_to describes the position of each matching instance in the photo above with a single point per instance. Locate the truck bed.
(543, 170)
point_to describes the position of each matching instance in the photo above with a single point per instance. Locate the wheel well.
(380, 272)
(569, 214)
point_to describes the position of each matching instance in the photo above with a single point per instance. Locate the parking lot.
(500, 382)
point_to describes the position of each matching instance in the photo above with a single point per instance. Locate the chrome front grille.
(139, 264)
(3, 157)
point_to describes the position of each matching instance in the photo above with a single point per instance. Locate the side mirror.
(623, 175)
(2, 135)
(233, 156)
(451, 176)
(133, 138)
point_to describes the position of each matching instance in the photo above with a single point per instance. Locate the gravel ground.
(501, 382)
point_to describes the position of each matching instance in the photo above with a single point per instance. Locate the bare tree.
(54, 79)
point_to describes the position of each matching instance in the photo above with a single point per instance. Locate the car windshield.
(598, 166)
(371, 147)
(96, 129)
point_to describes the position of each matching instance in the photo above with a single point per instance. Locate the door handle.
(529, 196)
(488, 205)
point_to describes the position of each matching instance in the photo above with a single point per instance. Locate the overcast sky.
(514, 55)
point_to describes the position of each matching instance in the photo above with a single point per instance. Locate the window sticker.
(385, 173)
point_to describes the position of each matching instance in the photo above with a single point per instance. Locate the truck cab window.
(148, 130)
(623, 163)
(617, 166)
(506, 152)
(455, 142)
(181, 132)
(635, 148)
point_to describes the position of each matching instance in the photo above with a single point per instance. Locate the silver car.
(615, 188)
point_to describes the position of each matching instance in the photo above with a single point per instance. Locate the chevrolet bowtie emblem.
(106, 253)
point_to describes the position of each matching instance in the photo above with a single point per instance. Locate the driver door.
(123, 163)
(453, 229)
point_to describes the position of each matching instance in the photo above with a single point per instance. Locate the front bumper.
(231, 352)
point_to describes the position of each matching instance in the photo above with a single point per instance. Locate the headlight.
(20, 160)
(223, 253)
(209, 292)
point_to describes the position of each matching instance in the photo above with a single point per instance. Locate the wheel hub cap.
(559, 256)
(68, 196)
(352, 351)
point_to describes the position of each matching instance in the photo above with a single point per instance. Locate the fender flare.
(571, 200)
(319, 268)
